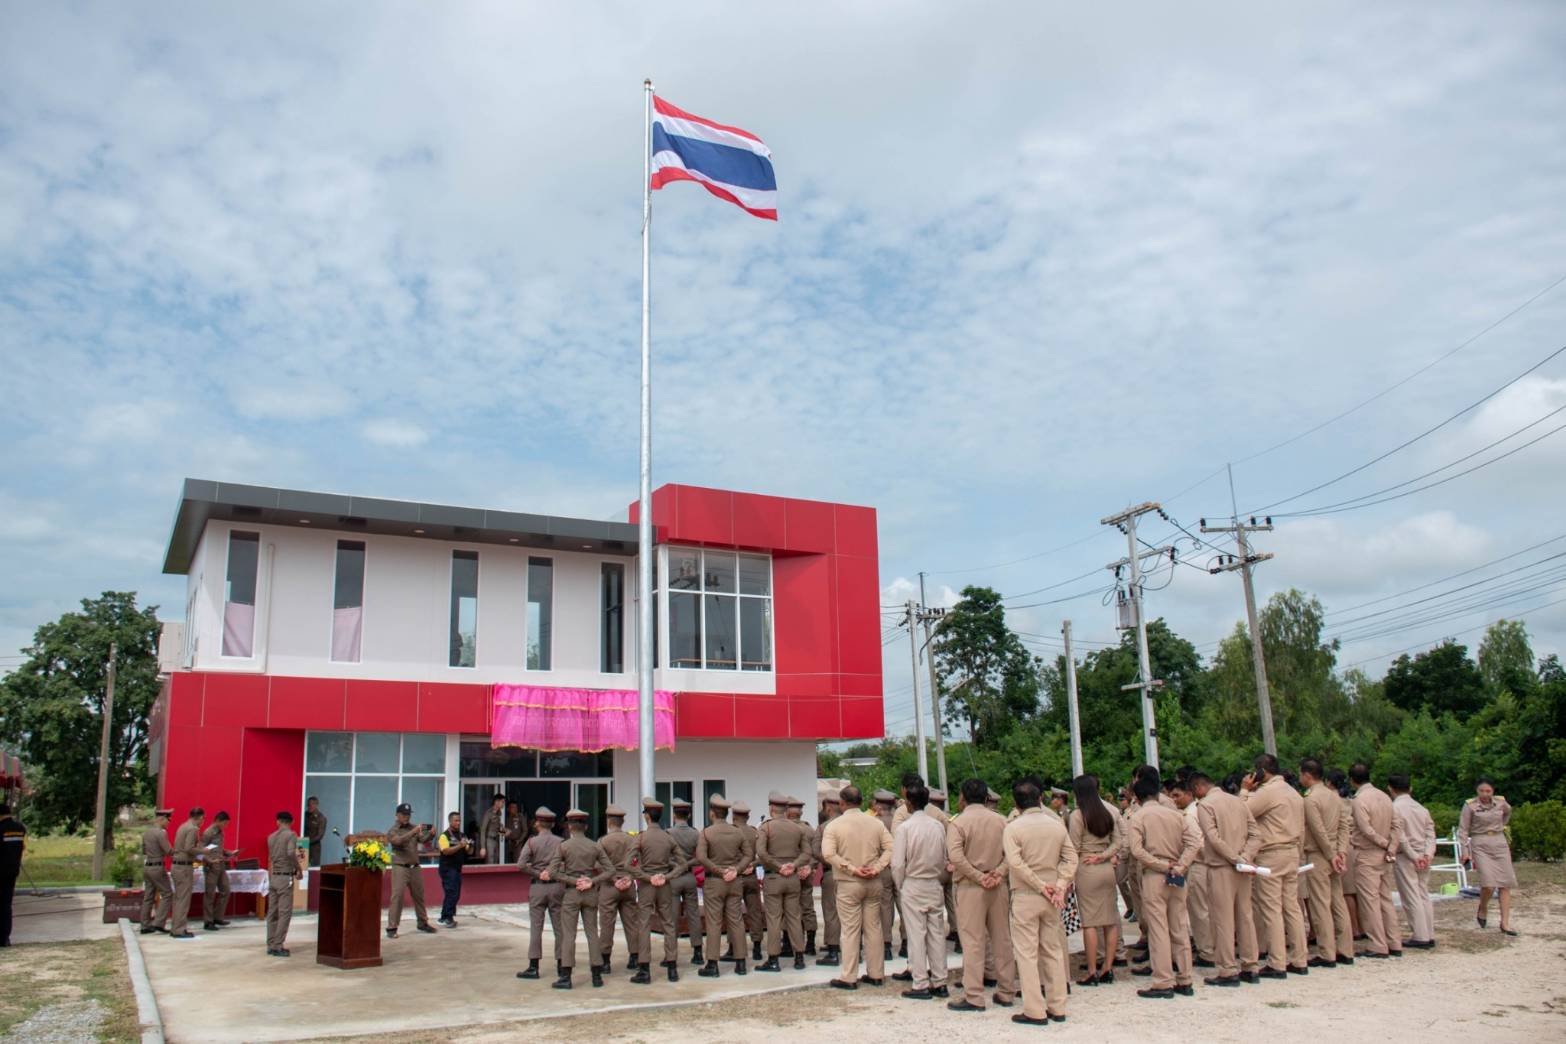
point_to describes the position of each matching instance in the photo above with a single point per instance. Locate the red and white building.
(354, 649)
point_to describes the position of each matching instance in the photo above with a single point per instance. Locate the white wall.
(753, 768)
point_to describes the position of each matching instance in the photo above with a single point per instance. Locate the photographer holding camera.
(405, 838)
(455, 848)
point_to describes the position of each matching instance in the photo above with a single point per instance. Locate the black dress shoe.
(917, 995)
(739, 968)
(770, 965)
(151, 931)
(221, 923)
(828, 960)
(961, 1004)
(996, 1000)
(182, 935)
(1504, 931)
(1418, 944)
(868, 981)
(429, 928)
(903, 976)
(1249, 978)
(1156, 994)
(1361, 937)
(940, 991)
(1106, 978)
(839, 984)
(1272, 973)
(709, 970)
(1345, 960)
(1298, 969)
(1056, 1018)
(1371, 955)
(696, 958)
(799, 962)
(1395, 953)
(1143, 971)
(1186, 990)
(391, 933)
(902, 950)
(991, 983)
(1091, 980)
(284, 952)
(1320, 962)
(1200, 963)
(1222, 980)
(1024, 1019)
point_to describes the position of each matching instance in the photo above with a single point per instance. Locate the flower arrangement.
(370, 855)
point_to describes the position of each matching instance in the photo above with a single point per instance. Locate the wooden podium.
(348, 932)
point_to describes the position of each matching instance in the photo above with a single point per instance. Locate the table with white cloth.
(246, 882)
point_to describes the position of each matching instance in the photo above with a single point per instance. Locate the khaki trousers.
(1232, 921)
(1168, 931)
(888, 908)
(1413, 887)
(214, 896)
(1340, 917)
(573, 907)
(1317, 888)
(859, 902)
(411, 879)
(723, 903)
(1040, 942)
(613, 903)
(1196, 903)
(656, 904)
(279, 909)
(924, 926)
(687, 904)
(984, 917)
(755, 910)
(184, 883)
(1282, 926)
(1377, 915)
(1134, 901)
(807, 904)
(154, 886)
(782, 902)
(834, 924)
(543, 899)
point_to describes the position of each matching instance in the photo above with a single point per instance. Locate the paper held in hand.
(1248, 868)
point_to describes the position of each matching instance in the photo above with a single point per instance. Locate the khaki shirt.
(724, 846)
(1279, 812)
(1158, 838)
(1480, 819)
(782, 841)
(1088, 843)
(580, 856)
(750, 832)
(1322, 816)
(1375, 826)
(974, 844)
(686, 837)
(314, 827)
(404, 842)
(620, 847)
(282, 852)
(155, 845)
(853, 840)
(1039, 851)
(899, 817)
(187, 843)
(657, 853)
(1416, 829)
(215, 857)
(537, 854)
(815, 847)
(492, 825)
(1229, 832)
(919, 849)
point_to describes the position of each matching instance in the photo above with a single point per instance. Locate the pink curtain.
(347, 626)
(239, 628)
(548, 718)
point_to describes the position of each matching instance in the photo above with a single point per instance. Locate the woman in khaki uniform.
(1482, 833)
(1095, 830)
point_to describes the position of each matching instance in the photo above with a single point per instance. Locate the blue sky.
(1034, 264)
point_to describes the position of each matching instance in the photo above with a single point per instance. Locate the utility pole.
(1243, 562)
(100, 818)
(927, 614)
(1071, 702)
(1125, 521)
(913, 662)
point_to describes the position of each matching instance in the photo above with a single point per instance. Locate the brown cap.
(777, 797)
(543, 812)
(990, 795)
(833, 797)
(739, 808)
(718, 801)
(793, 802)
(577, 814)
(885, 797)
(651, 802)
(938, 796)
(681, 805)
(616, 811)
(167, 813)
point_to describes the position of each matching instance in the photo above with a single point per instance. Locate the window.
(667, 792)
(464, 608)
(348, 602)
(720, 610)
(361, 777)
(540, 603)
(239, 594)
(709, 787)
(611, 641)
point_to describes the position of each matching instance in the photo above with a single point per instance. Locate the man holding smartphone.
(1164, 850)
(405, 838)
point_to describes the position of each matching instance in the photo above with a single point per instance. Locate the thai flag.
(730, 163)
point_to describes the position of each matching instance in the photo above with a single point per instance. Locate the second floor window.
(611, 640)
(348, 602)
(464, 609)
(720, 610)
(540, 609)
(239, 594)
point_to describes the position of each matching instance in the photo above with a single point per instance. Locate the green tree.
(1506, 659)
(989, 680)
(51, 707)
(1438, 680)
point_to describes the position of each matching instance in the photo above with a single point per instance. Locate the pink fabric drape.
(239, 628)
(347, 626)
(549, 718)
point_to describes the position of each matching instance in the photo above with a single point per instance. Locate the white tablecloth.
(252, 881)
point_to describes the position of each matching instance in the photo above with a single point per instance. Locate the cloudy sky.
(1036, 263)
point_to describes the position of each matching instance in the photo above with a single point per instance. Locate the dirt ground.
(1475, 986)
(80, 983)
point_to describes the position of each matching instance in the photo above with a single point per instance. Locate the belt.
(407, 866)
(158, 863)
(180, 862)
(283, 873)
(1485, 833)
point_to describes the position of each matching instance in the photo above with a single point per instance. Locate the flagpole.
(644, 535)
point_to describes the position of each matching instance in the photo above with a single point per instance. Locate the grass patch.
(40, 975)
(65, 859)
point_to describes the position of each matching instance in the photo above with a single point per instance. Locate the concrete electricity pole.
(100, 817)
(1071, 702)
(1243, 562)
(927, 614)
(1125, 521)
(913, 662)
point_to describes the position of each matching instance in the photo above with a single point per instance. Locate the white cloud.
(388, 431)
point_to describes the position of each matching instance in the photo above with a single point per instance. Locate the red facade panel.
(234, 699)
(444, 707)
(801, 617)
(810, 526)
(705, 715)
(855, 531)
(703, 516)
(814, 718)
(761, 717)
(308, 703)
(862, 717)
(382, 706)
(274, 781)
(859, 615)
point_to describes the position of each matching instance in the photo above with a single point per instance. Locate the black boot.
(799, 961)
(829, 959)
(642, 976)
(739, 968)
(696, 957)
(788, 947)
(532, 970)
(564, 981)
(902, 951)
(674, 971)
(886, 951)
(604, 966)
(810, 944)
(755, 950)
(709, 971)
(632, 964)
(598, 976)
(771, 965)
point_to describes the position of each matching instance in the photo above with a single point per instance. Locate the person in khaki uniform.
(1229, 837)
(580, 865)
(807, 892)
(831, 808)
(619, 898)
(783, 849)
(1375, 838)
(1328, 914)
(858, 848)
(687, 900)
(659, 860)
(516, 828)
(544, 893)
(886, 811)
(937, 809)
(155, 885)
(1164, 849)
(1481, 835)
(1415, 851)
(1098, 859)
(724, 852)
(187, 853)
(282, 864)
(404, 838)
(918, 863)
(1196, 889)
(1280, 818)
(1041, 862)
(755, 912)
(215, 890)
(975, 847)
(492, 830)
(314, 828)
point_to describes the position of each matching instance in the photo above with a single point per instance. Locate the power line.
(1444, 579)
(1431, 641)
(1447, 594)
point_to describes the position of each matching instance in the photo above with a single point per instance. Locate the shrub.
(124, 862)
(1445, 817)
(1539, 830)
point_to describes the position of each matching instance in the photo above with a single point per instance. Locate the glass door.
(593, 798)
